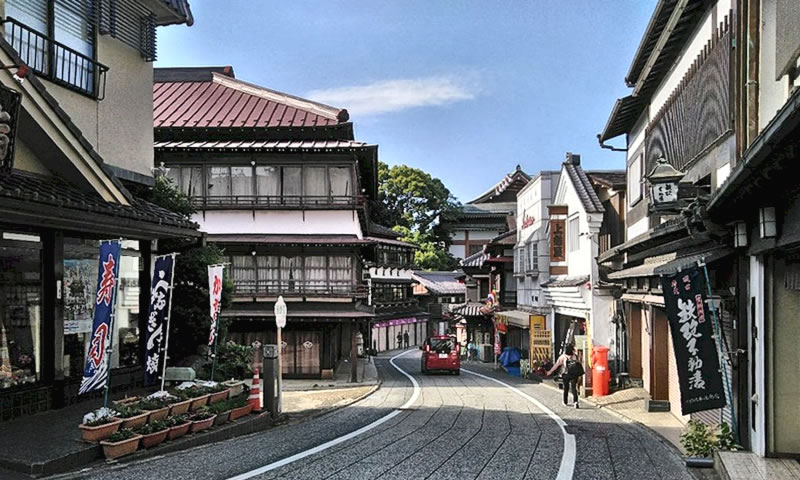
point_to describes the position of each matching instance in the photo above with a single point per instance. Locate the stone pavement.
(749, 466)
(367, 375)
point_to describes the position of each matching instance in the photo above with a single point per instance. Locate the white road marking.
(344, 438)
(567, 468)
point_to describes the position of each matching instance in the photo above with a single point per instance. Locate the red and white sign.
(214, 298)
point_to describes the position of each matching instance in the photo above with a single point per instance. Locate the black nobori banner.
(695, 350)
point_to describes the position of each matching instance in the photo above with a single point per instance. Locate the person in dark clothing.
(399, 340)
(568, 382)
(405, 338)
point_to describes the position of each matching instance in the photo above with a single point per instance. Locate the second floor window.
(573, 234)
(58, 43)
(533, 256)
(635, 180)
(283, 274)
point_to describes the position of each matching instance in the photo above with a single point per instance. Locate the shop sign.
(157, 320)
(214, 299)
(527, 221)
(695, 350)
(95, 373)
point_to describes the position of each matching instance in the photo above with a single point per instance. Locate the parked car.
(441, 352)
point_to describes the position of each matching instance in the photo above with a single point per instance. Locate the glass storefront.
(20, 310)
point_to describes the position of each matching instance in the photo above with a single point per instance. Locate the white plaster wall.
(579, 262)
(637, 229)
(772, 94)
(690, 52)
(457, 251)
(602, 328)
(483, 234)
(25, 160)
(313, 222)
(457, 235)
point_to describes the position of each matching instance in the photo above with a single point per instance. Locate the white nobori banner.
(214, 299)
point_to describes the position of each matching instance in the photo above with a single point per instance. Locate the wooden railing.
(345, 288)
(278, 201)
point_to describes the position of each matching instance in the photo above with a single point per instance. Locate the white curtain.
(192, 181)
(219, 182)
(341, 272)
(291, 273)
(314, 182)
(292, 185)
(242, 181)
(268, 270)
(341, 182)
(315, 272)
(243, 272)
(175, 174)
(269, 181)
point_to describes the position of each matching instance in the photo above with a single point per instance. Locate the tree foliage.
(417, 206)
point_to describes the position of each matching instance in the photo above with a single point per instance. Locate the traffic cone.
(255, 393)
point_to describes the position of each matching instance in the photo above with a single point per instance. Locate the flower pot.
(134, 421)
(178, 431)
(222, 418)
(159, 414)
(240, 412)
(153, 439)
(100, 432)
(198, 402)
(122, 448)
(218, 396)
(125, 401)
(236, 387)
(200, 425)
(179, 408)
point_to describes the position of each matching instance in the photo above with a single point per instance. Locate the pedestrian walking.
(405, 338)
(571, 370)
(399, 340)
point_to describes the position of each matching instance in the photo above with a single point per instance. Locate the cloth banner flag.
(695, 350)
(214, 298)
(95, 373)
(157, 321)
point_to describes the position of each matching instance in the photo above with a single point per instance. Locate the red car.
(441, 352)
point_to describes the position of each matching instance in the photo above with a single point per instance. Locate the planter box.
(198, 402)
(125, 401)
(236, 387)
(135, 421)
(222, 418)
(178, 431)
(100, 432)
(180, 408)
(153, 439)
(159, 414)
(240, 412)
(218, 396)
(120, 449)
(200, 425)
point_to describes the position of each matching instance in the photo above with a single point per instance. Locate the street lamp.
(663, 180)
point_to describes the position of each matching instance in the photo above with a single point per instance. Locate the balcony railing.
(55, 61)
(332, 288)
(604, 243)
(278, 201)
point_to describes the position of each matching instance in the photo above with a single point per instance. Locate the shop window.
(20, 313)
(474, 248)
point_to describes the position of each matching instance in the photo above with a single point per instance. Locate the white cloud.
(398, 94)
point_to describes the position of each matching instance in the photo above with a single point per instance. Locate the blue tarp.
(510, 356)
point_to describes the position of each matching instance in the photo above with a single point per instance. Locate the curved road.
(459, 427)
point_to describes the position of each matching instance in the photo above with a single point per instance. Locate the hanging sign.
(95, 373)
(157, 320)
(214, 299)
(695, 350)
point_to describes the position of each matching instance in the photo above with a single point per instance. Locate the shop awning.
(680, 263)
(645, 270)
(516, 318)
(643, 298)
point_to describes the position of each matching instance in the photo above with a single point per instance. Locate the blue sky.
(464, 90)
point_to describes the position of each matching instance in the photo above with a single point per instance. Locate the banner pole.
(113, 316)
(214, 355)
(169, 318)
(722, 361)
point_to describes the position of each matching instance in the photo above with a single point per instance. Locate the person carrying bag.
(571, 370)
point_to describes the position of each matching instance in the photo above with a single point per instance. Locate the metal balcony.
(55, 61)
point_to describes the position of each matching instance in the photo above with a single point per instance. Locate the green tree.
(430, 254)
(190, 320)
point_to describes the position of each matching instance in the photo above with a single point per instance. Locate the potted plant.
(179, 402)
(132, 416)
(98, 427)
(700, 441)
(236, 387)
(201, 419)
(199, 396)
(219, 392)
(153, 433)
(178, 426)
(222, 410)
(157, 408)
(125, 401)
(240, 407)
(120, 443)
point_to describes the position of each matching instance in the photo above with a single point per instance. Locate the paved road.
(459, 427)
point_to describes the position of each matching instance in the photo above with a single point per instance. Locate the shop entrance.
(301, 353)
(659, 355)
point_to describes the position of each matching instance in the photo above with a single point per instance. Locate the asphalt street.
(459, 427)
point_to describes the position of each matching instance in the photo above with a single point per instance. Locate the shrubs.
(701, 440)
(121, 434)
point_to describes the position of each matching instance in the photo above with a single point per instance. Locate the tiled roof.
(584, 188)
(381, 231)
(515, 180)
(469, 309)
(474, 260)
(610, 178)
(507, 238)
(441, 283)
(181, 7)
(264, 145)
(52, 192)
(567, 282)
(222, 101)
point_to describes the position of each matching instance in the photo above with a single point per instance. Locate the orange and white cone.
(255, 393)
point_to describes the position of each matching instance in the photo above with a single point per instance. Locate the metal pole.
(110, 349)
(280, 371)
(169, 317)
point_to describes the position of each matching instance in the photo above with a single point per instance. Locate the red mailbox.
(601, 376)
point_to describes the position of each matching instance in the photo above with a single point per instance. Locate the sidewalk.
(50, 442)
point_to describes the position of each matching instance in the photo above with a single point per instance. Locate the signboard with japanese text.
(695, 350)
(157, 319)
(214, 299)
(95, 373)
